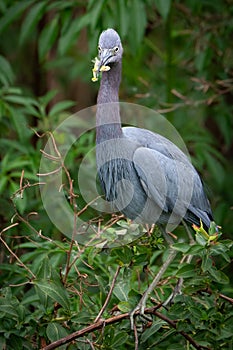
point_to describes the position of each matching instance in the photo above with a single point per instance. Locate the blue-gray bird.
(144, 175)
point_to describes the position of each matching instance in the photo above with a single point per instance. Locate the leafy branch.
(100, 324)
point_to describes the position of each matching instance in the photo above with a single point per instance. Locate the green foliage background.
(178, 60)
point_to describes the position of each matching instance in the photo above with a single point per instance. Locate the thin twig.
(87, 206)
(50, 156)
(21, 184)
(27, 185)
(222, 296)
(109, 295)
(12, 253)
(50, 172)
(135, 337)
(225, 297)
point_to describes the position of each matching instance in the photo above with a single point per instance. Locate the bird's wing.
(151, 175)
(167, 175)
(168, 182)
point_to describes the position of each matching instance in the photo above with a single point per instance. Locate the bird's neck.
(108, 121)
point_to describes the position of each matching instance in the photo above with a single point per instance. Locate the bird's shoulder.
(156, 142)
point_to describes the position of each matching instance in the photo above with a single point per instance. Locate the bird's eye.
(99, 49)
(116, 49)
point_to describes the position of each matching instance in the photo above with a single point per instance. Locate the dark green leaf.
(22, 100)
(181, 247)
(186, 270)
(138, 23)
(152, 330)
(55, 331)
(218, 276)
(6, 72)
(3, 182)
(12, 13)
(71, 35)
(31, 20)
(207, 262)
(123, 254)
(44, 100)
(44, 270)
(123, 17)
(119, 339)
(195, 249)
(220, 250)
(96, 12)
(124, 306)
(121, 290)
(216, 168)
(60, 107)
(7, 309)
(163, 7)
(56, 292)
(48, 37)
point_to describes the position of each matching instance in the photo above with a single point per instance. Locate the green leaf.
(137, 23)
(96, 12)
(195, 249)
(123, 17)
(3, 183)
(44, 271)
(123, 254)
(220, 249)
(197, 313)
(186, 270)
(60, 107)
(44, 100)
(55, 331)
(16, 163)
(181, 247)
(121, 290)
(218, 276)
(216, 169)
(31, 20)
(22, 100)
(206, 263)
(124, 306)
(14, 146)
(7, 309)
(12, 13)
(200, 239)
(152, 330)
(163, 7)
(47, 37)
(56, 292)
(71, 34)
(6, 72)
(119, 339)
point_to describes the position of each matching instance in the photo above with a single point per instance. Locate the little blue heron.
(147, 177)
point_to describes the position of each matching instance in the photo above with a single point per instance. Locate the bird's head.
(109, 52)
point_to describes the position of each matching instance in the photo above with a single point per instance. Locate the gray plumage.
(143, 174)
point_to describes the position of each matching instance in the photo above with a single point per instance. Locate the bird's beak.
(105, 55)
(100, 64)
